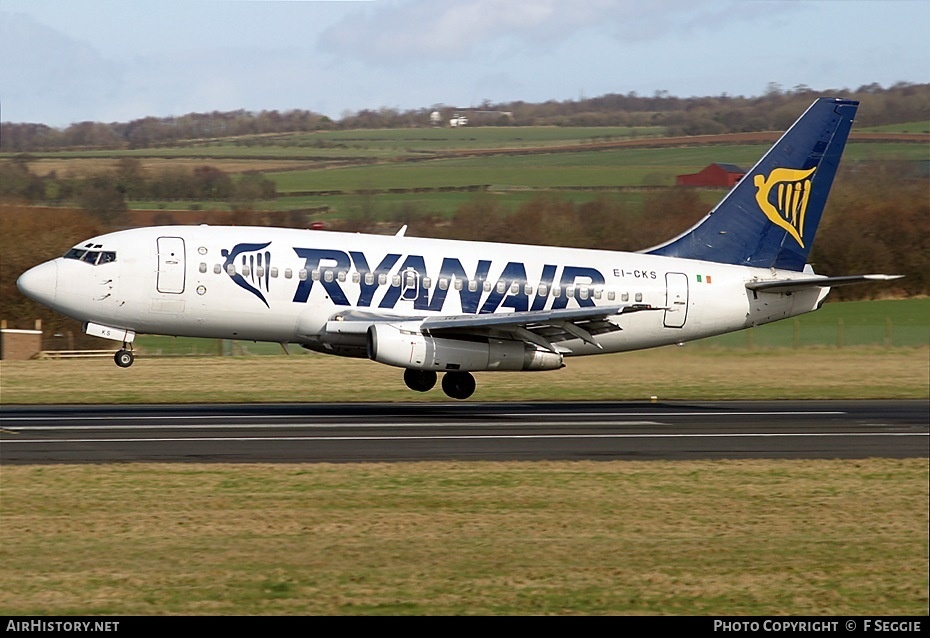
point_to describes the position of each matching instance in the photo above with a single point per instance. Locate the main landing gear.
(124, 357)
(457, 385)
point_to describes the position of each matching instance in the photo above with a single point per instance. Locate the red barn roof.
(716, 174)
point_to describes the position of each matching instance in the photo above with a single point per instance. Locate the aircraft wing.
(543, 328)
(795, 285)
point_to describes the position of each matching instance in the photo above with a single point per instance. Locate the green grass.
(755, 537)
(667, 373)
(439, 139)
(873, 349)
(351, 161)
(886, 323)
(617, 167)
(907, 127)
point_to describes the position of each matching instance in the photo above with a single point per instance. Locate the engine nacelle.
(404, 346)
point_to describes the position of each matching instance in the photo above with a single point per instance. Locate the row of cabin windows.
(409, 281)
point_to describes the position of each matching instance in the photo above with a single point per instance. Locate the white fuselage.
(283, 285)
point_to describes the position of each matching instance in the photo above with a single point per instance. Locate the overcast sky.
(65, 61)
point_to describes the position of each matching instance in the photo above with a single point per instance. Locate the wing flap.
(530, 318)
(542, 328)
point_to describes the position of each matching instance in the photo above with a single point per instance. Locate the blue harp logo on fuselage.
(254, 270)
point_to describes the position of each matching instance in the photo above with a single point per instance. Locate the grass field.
(871, 349)
(584, 538)
(573, 175)
(347, 162)
(617, 167)
(882, 322)
(668, 373)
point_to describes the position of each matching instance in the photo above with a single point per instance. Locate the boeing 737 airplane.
(434, 306)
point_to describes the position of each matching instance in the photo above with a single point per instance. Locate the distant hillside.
(712, 115)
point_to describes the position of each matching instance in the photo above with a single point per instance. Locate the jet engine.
(404, 346)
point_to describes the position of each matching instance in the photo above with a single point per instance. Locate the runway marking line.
(521, 415)
(253, 439)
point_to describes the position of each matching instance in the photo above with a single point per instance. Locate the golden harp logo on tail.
(783, 198)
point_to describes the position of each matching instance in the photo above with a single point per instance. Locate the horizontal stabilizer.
(795, 285)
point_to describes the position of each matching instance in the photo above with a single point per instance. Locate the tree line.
(106, 193)
(775, 110)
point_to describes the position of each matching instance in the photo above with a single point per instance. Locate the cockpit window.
(94, 257)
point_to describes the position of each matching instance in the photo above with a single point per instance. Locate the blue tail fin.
(769, 219)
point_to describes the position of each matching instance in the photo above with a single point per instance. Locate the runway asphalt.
(389, 432)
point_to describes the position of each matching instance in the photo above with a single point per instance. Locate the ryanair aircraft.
(437, 306)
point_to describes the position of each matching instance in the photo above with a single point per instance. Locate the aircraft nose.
(40, 283)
